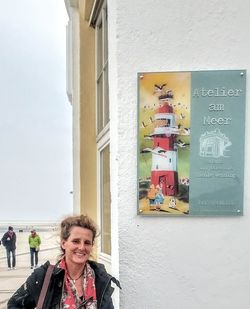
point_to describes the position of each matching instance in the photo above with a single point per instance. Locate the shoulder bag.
(45, 287)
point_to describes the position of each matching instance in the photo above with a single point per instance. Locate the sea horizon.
(27, 225)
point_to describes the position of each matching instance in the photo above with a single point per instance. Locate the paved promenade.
(10, 280)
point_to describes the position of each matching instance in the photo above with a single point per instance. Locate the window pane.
(99, 49)
(102, 71)
(100, 104)
(106, 97)
(105, 34)
(105, 198)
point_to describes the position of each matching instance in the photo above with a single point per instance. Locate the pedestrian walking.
(9, 242)
(34, 243)
(75, 281)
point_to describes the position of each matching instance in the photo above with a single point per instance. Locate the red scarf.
(70, 298)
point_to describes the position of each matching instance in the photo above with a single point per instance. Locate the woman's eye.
(86, 243)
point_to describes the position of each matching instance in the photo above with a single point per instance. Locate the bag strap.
(45, 287)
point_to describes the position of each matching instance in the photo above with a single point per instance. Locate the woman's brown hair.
(81, 221)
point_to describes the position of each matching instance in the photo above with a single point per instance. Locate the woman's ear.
(63, 244)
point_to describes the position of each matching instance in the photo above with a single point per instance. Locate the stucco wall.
(193, 263)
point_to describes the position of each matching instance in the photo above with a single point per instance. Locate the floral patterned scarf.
(70, 298)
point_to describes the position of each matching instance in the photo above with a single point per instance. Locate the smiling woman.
(76, 281)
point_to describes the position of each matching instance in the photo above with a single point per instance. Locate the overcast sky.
(35, 115)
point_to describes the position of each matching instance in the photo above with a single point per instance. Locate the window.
(105, 202)
(102, 130)
(102, 70)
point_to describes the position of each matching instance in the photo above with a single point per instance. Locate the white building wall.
(175, 263)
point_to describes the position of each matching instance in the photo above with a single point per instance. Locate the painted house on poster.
(214, 144)
(161, 262)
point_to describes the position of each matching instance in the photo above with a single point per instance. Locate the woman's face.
(78, 246)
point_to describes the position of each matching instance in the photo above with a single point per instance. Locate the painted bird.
(182, 144)
(159, 87)
(185, 131)
(143, 125)
(182, 116)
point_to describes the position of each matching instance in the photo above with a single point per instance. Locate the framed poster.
(191, 131)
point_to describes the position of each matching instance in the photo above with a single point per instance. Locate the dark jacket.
(26, 297)
(8, 241)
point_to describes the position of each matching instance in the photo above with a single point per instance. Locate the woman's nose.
(82, 245)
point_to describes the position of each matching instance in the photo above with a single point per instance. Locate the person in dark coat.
(9, 242)
(76, 281)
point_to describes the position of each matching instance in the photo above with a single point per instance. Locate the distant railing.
(26, 253)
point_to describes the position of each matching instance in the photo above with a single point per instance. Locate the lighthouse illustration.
(164, 143)
(164, 154)
(164, 150)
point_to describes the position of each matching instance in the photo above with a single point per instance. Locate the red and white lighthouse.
(164, 152)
